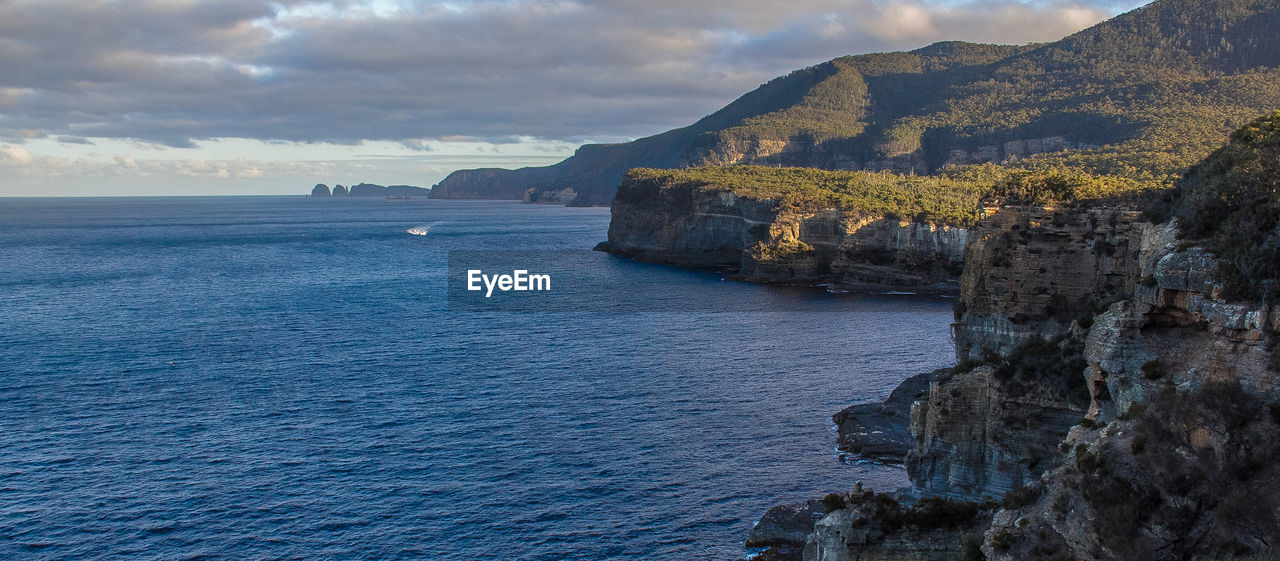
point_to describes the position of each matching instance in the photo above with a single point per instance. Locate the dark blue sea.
(249, 378)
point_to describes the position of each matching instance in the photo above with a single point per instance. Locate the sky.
(190, 97)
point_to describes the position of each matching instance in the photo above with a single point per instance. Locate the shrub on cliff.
(1054, 365)
(833, 502)
(929, 513)
(1231, 201)
(1045, 185)
(1200, 484)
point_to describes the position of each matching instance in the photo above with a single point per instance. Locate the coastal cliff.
(663, 217)
(489, 183)
(1118, 385)
(1031, 271)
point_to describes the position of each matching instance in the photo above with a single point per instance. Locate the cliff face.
(1031, 271)
(1184, 395)
(1030, 274)
(489, 183)
(683, 224)
(1141, 425)
(979, 437)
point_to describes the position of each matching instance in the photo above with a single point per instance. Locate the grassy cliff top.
(934, 199)
(954, 197)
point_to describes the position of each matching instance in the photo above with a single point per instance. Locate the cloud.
(173, 73)
(15, 157)
(126, 161)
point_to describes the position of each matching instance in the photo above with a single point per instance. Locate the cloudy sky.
(103, 97)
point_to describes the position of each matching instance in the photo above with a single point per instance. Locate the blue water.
(279, 378)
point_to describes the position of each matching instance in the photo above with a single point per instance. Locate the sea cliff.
(667, 219)
(1060, 374)
(1117, 391)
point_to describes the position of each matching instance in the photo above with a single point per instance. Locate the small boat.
(418, 230)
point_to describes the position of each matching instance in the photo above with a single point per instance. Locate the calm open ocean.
(280, 378)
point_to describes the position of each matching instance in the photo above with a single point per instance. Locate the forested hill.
(1147, 92)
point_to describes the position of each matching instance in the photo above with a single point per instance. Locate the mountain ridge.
(1147, 92)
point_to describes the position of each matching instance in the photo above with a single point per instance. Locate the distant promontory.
(369, 190)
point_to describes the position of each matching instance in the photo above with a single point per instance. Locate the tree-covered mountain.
(1146, 93)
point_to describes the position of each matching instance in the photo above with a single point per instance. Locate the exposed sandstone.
(1031, 271)
(1140, 314)
(686, 225)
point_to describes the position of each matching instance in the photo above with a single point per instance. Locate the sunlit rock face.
(682, 224)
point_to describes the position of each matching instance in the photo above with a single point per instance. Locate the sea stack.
(339, 191)
(320, 190)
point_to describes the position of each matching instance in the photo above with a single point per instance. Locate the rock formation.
(1118, 388)
(374, 190)
(684, 224)
(881, 431)
(1118, 407)
(370, 190)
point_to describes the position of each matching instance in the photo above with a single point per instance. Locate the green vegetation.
(1203, 466)
(1134, 411)
(1055, 365)
(1003, 540)
(1231, 202)
(832, 107)
(937, 199)
(929, 513)
(1141, 96)
(1021, 496)
(1151, 370)
(1043, 185)
(833, 502)
(954, 197)
(971, 548)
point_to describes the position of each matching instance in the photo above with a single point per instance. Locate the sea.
(249, 378)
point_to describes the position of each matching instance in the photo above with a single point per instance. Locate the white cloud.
(284, 91)
(346, 71)
(14, 156)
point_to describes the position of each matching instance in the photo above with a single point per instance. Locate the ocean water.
(281, 378)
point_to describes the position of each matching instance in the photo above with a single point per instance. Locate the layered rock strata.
(758, 239)
(1111, 399)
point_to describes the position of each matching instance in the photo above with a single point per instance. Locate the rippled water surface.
(279, 378)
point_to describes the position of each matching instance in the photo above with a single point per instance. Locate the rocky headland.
(682, 218)
(1116, 391)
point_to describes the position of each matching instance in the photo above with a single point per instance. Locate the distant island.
(369, 190)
